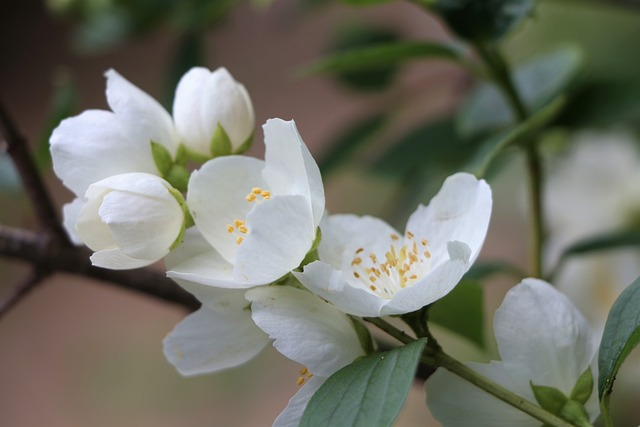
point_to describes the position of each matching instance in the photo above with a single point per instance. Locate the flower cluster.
(250, 238)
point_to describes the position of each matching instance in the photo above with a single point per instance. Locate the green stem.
(390, 329)
(442, 359)
(434, 356)
(604, 411)
(502, 76)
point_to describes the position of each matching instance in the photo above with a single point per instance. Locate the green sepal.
(584, 387)
(187, 220)
(182, 155)
(162, 158)
(364, 336)
(245, 145)
(220, 142)
(575, 413)
(178, 177)
(549, 398)
(312, 255)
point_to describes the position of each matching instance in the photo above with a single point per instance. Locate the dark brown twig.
(46, 253)
(20, 291)
(17, 148)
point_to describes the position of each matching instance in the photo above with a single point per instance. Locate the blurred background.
(83, 353)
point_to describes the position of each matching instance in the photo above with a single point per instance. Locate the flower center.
(239, 226)
(305, 376)
(402, 267)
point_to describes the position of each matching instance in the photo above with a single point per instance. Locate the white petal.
(142, 117)
(209, 341)
(115, 259)
(327, 282)
(187, 110)
(541, 334)
(290, 169)
(292, 414)
(455, 402)
(433, 286)
(93, 146)
(93, 232)
(207, 269)
(460, 211)
(306, 329)
(343, 234)
(70, 213)
(217, 197)
(280, 235)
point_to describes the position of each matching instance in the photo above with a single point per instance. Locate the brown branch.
(18, 149)
(21, 291)
(47, 253)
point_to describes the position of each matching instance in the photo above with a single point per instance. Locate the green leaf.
(355, 37)
(382, 55)
(608, 241)
(220, 142)
(537, 82)
(621, 335)
(549, 398)
(462, 311)
(602, 104)
(483, 19)
(364, 2)
(354, 137)
(483, 270)
(496, 144)
(369, 392)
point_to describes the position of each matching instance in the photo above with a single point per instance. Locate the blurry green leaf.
(381, 55)
(537, 82)
(220, 142)
(62, 106)
(354, 37)
(603, 242)
(493, 146)
(435, 145)
(369, 392)
(462, 311)
(584, 387)
(602, 104)
(364, 2)
(482, 19)
(353, 138)
(482, 270)
(621, 335)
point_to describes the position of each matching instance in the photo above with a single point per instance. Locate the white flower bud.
(130, 220)
(213, 113)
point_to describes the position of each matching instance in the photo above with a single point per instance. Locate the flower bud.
(131, 220)
(213, 113)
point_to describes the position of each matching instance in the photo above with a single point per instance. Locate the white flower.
(309, 331)
(542, 339)
(130, 220)
(98, 144)
(261, 216)
(366, 268)
(594, 189)
(219, 335)
(205, 100)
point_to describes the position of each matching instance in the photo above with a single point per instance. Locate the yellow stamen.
(256, 190)
(230, 228)
(250, 197)
(239, 239)
(394, 237)
(359, 250)
(356, 261)
(243, 229)
(300, 381)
